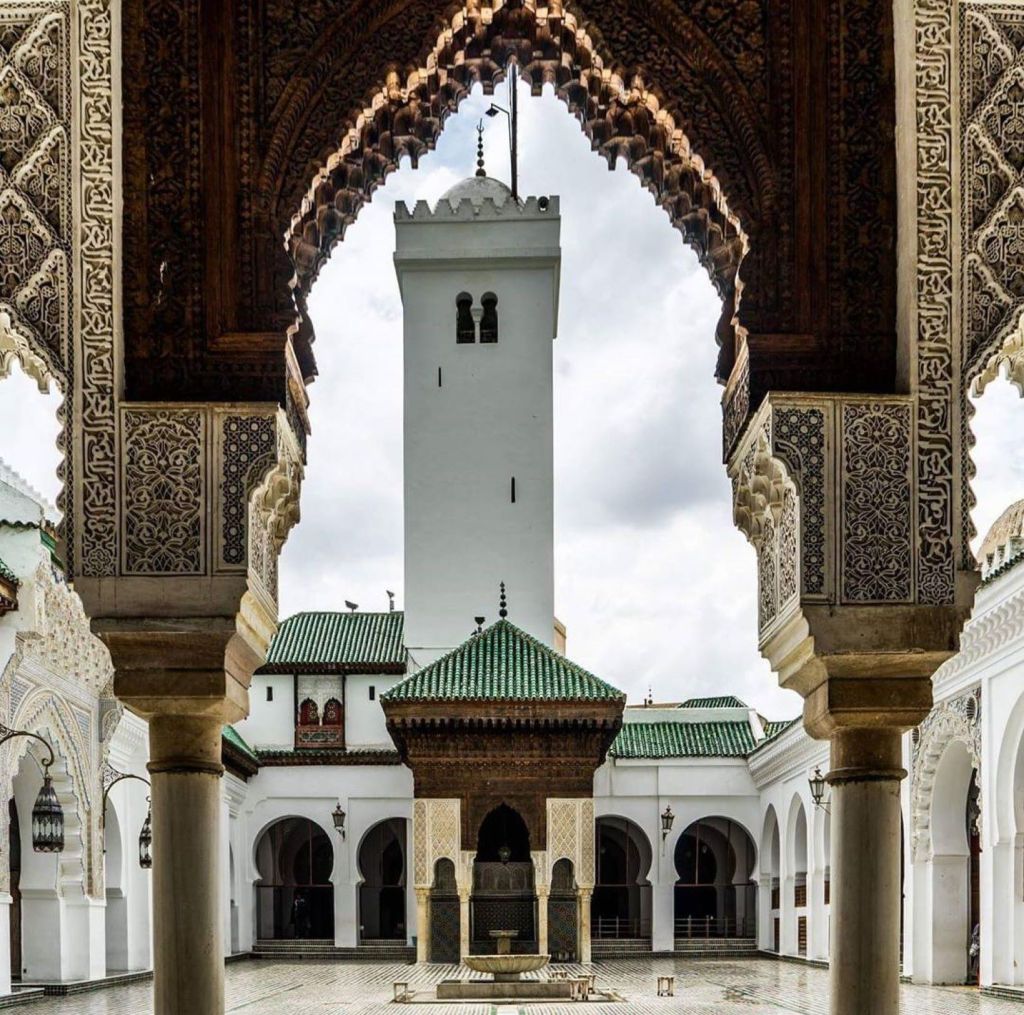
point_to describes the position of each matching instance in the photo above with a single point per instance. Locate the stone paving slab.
(703, 987)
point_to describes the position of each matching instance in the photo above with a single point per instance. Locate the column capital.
(866, 755)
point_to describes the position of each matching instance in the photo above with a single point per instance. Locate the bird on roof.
(352, 606)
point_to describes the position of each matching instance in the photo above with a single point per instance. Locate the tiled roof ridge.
(714, 701)
(236, 739)
(397, 693)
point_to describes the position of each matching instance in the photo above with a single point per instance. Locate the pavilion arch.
(952, 722)
(797, 838)
(623, 115)
(715, 894)
(382, 862)
(621, 903)
(770, 852)
(294, 858)
(1007, 814)
(81, 863)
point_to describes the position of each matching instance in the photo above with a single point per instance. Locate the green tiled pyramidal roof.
(683, 740)
(326, 642)
(723, 701)
(503, 663)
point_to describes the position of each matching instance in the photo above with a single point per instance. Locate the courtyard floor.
(748, 986)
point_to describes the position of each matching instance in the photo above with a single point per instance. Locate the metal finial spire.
(391, 601)
(480, 149)
(502, 603)
(479, 625)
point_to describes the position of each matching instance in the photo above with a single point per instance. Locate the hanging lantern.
(817, 784)
(47, 819)
(504, 854)
(667, 819)
(339, 819)
(146, 841)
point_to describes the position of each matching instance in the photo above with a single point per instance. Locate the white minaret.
(479, 281)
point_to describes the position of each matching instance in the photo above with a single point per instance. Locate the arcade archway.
(715, 895)
(504, 897)
(621, 904)
(294, 896)
(382, 863)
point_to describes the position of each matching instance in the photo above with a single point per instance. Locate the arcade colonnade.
(175, 322)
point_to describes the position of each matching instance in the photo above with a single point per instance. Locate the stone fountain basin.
(506, 968)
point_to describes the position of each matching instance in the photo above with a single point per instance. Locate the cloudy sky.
(654, 583)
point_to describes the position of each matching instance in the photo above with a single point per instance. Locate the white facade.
(478, 414)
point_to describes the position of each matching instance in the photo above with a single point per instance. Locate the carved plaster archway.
(957, 720)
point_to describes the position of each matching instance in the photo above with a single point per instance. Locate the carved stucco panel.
(571, 837)
(164, 478)
(436, 833)
(877, 551)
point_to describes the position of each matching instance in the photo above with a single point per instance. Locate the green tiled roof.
(774, 727)
(683, 740)
(503, 663)
(8, 575)
(326, 642)
(232, 736)
(724, 701)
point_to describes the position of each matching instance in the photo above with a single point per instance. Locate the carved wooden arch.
(624, 115)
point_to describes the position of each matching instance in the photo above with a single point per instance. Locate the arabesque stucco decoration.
(35, 186)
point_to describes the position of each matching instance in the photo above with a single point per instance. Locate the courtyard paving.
(738, 987)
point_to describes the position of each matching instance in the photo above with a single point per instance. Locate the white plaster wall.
(364, 718)
(489, 420)
(270, 723)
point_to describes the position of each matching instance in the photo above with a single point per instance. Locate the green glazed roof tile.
(232, 736)
(328, 641)
(8, 575)
(503, 663)
(723, 701)
(683, 740)
(774, 727)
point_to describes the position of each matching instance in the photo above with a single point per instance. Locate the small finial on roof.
(479, 625)
(480, 149)
(391, 600)
(502, 603)
(649, 700)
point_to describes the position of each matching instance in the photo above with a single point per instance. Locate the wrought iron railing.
(687, 927)
(617, 927)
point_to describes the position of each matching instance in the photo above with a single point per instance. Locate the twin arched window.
(466, 319)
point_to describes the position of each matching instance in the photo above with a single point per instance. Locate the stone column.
(464, 941)
(185, 769)
(865, 799)
(583, 897)
(422, 924)
(542, 919)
